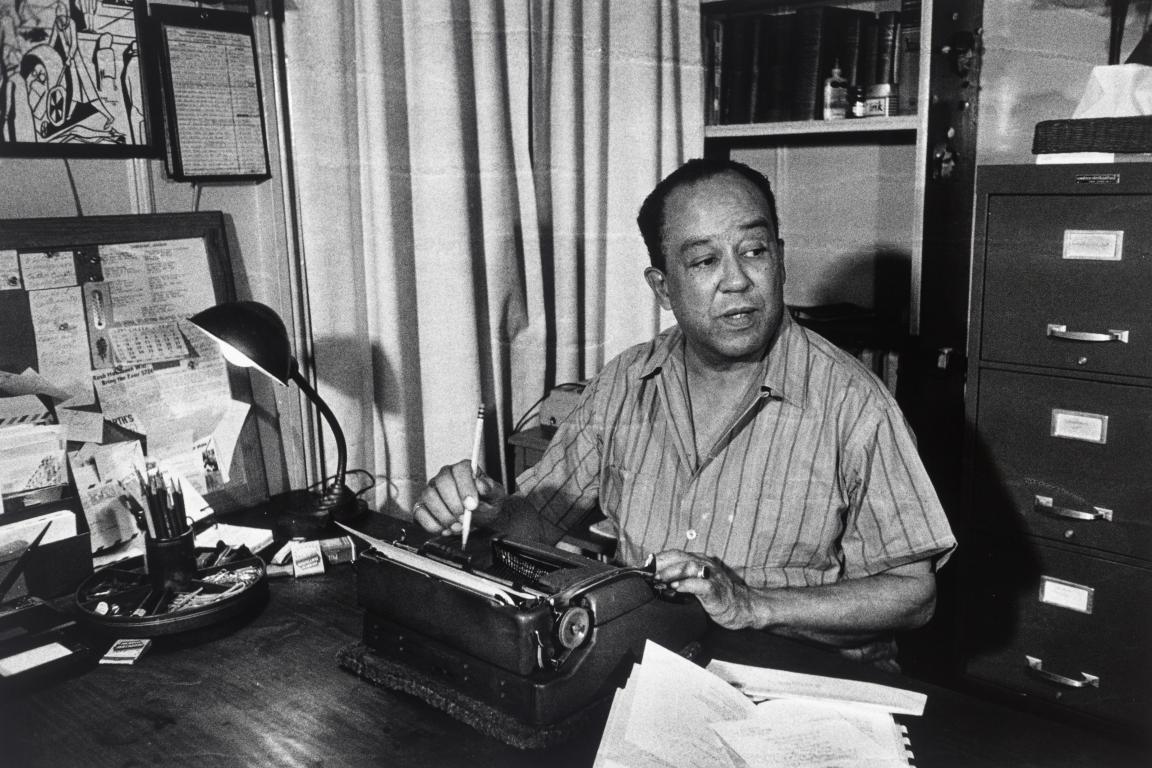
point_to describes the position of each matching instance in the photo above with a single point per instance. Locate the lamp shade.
(254, 332)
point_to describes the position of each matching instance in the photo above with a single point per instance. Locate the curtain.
(467, 177)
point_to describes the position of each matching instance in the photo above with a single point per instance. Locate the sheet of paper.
(674, 702)
(256, 539)
(133, 398)
(62, 341)
(437, 569)
(765, 683)
(800, 743)
(81, 426)
(31, 456)
(47, 269)
(200, 446)
(10, 271)
(15, 537)
(159, 280)
(614, 750)
(29, 383)
(22, 409)
(105, 475)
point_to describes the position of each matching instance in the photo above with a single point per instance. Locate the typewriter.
(535, 632)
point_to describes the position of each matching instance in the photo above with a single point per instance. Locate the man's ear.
(659, 286)
(780, 250)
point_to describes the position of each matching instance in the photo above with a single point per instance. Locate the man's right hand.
(450, 492)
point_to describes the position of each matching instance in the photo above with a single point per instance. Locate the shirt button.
(691, 534)
(731, 518)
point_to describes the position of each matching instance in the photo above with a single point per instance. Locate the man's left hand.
(724, 595)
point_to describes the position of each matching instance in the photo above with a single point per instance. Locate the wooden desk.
(271, 694)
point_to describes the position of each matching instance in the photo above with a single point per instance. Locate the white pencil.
(477, 439)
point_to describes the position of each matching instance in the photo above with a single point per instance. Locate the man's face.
(724, 269)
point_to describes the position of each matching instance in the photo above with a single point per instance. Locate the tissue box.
(1099, 134)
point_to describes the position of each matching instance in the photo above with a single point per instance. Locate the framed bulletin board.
(213, 110)
(100, 371)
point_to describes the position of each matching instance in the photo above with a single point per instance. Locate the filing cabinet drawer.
(1067, 280)
(1077, 634)
(1065, 459)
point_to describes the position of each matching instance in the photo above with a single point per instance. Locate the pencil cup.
(171, 563)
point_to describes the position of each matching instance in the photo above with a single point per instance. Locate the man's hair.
(651, 217)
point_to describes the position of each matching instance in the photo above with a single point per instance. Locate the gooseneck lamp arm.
(337, 494)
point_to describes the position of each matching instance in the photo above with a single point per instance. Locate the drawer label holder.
(1078, 425)
(1093, 244)
(1066, 594)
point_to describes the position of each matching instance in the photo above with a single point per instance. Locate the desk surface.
(271, 694)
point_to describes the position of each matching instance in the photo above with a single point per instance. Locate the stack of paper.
(674, 714)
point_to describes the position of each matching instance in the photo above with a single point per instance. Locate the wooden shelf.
(808, 127)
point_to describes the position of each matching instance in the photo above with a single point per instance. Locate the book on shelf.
(673, 712)
(825, 35)
(713, 37)
(887, 35)
(736, 72)
(908, 59)
(774, 87)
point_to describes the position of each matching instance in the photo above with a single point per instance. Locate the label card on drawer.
(1093, 244)
(1065, 594)
(1077, 425)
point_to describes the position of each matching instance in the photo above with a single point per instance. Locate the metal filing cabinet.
(1058, 456)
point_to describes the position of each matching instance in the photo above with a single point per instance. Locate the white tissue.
(1120, 90)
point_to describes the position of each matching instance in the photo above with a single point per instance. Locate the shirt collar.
(785, 370)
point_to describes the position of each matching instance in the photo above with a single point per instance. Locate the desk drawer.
(1065, 460)
(1073, 630)
(1082, 265)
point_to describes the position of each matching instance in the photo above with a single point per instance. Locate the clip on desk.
(271, 693)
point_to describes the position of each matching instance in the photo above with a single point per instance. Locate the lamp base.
(310, 514)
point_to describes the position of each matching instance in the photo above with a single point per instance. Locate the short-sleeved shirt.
(817, 480)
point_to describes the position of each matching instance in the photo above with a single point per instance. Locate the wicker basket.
(1101, 134)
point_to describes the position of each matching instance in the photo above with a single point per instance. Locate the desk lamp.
(252, 335)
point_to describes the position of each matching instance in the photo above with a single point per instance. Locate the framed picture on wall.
(212, 113)
(73, 84)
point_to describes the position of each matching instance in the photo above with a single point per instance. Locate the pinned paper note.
(105, 476)
(62, 341)
(48, 269)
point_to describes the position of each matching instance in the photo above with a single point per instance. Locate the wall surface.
(1038, 58)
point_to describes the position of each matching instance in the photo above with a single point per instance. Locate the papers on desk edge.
(675, 714)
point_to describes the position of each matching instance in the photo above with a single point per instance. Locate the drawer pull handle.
(1045, 505)
(1036, 667)
(1061, 332)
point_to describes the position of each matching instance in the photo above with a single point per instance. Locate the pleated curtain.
(467, 176)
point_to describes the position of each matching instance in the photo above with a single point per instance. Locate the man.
(772, 476)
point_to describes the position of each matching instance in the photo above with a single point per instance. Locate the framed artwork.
(73, 84)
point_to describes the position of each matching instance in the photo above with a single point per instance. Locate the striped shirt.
(816, 481)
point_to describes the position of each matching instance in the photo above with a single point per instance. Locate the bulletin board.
(96, 350)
